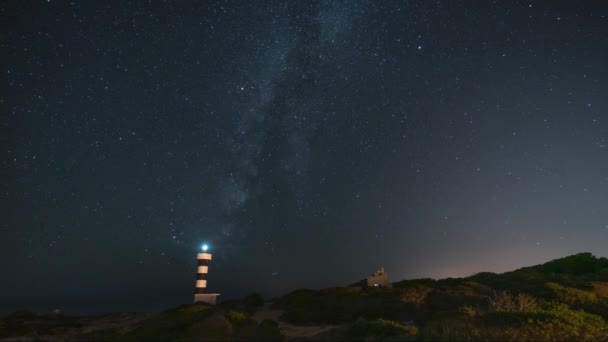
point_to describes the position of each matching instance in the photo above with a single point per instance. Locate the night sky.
(308, 142)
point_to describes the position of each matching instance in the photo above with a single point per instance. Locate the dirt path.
(289, 330)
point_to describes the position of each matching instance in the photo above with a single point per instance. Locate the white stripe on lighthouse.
(204, 256)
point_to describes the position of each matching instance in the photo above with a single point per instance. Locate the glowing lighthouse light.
(205, 247)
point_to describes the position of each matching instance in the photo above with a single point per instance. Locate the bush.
(555, 322)
(526, 303)
(414, 295)
(25, 323)
(468, 311)
(378, 330)
(253, 300)
(174, 324)
(505, 301)
(572, 296)
(248, 304)
(578, 264)
(339, 305)
(236, 317)
(600, 289)
(568, 324)
(267, 330)
(450, 297)
(427, 282)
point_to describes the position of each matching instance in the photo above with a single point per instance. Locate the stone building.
(378, 279)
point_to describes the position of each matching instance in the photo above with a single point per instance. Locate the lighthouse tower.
(201, 278)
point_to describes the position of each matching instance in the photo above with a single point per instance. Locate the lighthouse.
(203, 260)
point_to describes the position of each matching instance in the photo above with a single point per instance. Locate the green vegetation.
(572, 296)
(379, 329)
(196, 322)
(562, 300)
(24, 323)
(554, 322)
(339, 305)
(372, 330)
(248, 304)
(183, 322)
(204, 322)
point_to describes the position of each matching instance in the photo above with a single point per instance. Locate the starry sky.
(308, 142)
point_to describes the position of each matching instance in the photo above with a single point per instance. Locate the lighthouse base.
(209, 298)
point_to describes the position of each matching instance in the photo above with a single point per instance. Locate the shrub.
(428, 282)
(455, 293)
(578, 264)
(236, 317)
(525, 303)
(267, 330)
(337, 305)
(568, 324)
(247, 305)
(600, 289)
(253, 300)
(414, 295)
(556, 322)
(503, 301)
(572, 296)
(25, 323)
(468, 311)
(378, 330)
(174, 324)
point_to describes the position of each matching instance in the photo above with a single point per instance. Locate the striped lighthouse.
(200, 294)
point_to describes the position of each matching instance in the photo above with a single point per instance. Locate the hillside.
(564, 299)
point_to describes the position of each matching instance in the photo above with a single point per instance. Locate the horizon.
(93, 308)
(307, 143)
